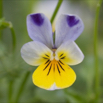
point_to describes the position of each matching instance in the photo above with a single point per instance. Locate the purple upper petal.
(37, 19)
(39, 29)
(72, 21)
(68, 28)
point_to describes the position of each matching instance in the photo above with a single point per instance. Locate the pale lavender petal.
(68, 27)
(39, 29)
(33, 52)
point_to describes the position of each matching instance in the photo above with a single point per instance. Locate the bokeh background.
(16, 75)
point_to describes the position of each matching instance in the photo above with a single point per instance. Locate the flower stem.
(1, 11)
(56, 10)
(13, 37)
(10, 91)
(1, 8)
(95, 51)
(22, 87)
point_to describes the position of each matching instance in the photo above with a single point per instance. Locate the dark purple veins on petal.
(71, 20)
(37, 19)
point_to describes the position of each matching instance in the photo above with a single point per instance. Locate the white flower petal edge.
(53, 87)
(34, 53)
(39, 29)
(68, 27)
(69, 53)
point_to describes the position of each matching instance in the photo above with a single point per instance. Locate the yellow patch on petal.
(65, 57)
(43, 58)
(53, 75)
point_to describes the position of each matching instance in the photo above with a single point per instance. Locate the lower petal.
(65, 76)
(53, 75)
(41, 76)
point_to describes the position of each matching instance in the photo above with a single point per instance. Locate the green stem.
(56, 10)
(1, 8)
(13, 37)
(10, 91)
(1, 11)
(96, 51)
(22, 87)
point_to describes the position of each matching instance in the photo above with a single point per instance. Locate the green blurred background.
(16, 75)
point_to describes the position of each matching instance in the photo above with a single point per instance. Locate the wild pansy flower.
(53, 58)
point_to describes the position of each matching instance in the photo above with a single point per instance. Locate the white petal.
(33, 53)
(39, 29)
(69, 53)
(68, 27)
